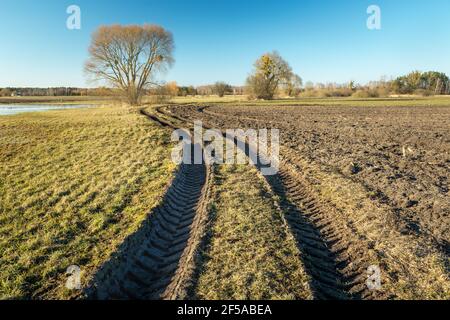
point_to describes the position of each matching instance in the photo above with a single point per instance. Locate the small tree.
(221, 88)
(271, 70)
(294, 85)
(5, 92)
(352, 85)
(187, 91)
(172, 89)
(128, 57)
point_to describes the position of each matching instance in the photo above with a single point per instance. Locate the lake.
(11, 109)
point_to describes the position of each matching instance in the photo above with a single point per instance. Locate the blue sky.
(324, 41)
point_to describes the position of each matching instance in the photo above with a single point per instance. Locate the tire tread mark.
(150, 264)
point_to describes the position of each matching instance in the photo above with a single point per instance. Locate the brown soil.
(414, 184)
(360, 186)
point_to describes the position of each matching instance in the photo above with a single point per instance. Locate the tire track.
(334, 257)
(336, 263)
(158, 261)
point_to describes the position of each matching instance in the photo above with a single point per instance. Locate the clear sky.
(324, 41)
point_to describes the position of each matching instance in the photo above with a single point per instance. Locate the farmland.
(224, 158)
(362, 183)
(379, 168)
(401, 153)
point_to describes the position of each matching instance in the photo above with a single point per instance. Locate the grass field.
(73, 185)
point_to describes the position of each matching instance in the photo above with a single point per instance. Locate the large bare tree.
(129, 57)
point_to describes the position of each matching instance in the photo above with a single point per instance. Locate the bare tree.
(128, 57)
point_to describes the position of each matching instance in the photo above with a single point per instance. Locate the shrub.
(423, 92)
(366, 93)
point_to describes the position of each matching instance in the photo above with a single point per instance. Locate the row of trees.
(430, 82)
(172, 89)
(272, 75)
(58, 92)
(427, 83)
(220, 88)
(418, 83)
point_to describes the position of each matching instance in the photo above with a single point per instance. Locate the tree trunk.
(133, 96)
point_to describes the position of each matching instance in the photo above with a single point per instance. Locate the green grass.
(251, 254)
(73, 185)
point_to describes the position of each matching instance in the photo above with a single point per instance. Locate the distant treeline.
(169, 89)
(418, 83)
(431, 82)
(219, 88)
(53, 92)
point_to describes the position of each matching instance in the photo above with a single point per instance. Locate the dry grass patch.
(251, 253)
(73, 185)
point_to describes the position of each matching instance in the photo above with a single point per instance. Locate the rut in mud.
(157, 262)
(336, 266)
